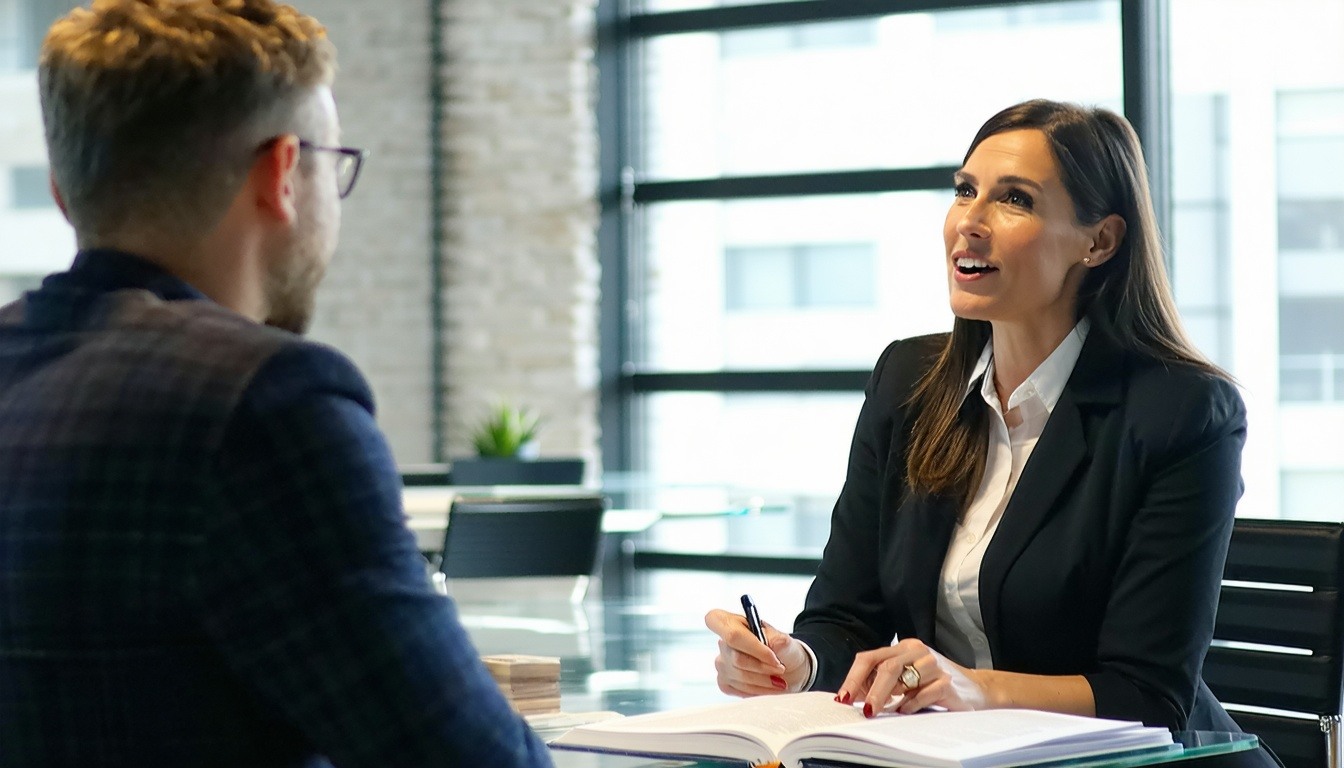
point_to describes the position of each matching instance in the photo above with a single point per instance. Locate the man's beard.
(291, 283)
(291, 286)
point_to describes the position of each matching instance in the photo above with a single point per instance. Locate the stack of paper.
(530, 683)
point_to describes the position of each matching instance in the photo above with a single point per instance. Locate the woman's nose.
(972, 222)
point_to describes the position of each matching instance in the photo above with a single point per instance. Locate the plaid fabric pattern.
(203, 559)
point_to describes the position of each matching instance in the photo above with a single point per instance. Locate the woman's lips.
(968, 268)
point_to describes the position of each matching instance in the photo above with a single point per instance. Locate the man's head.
(158, 112)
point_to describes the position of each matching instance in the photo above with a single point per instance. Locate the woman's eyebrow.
(1021, 181)
(962, 176)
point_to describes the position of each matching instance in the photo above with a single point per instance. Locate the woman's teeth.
(968, 266)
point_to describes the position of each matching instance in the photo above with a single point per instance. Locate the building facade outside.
(1256, 240)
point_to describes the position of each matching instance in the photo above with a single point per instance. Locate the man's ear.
(272, 178)
(56, 195)
(1107, 235)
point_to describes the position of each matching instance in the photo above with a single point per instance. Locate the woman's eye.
(1019, 198)
(963, 190)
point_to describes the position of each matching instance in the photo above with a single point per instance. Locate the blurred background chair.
(1278, 657)
(519, 569)
(494, 538)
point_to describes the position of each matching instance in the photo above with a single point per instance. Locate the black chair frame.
(1279, 637)
(514, 537)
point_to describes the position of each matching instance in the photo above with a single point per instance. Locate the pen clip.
(753, 619)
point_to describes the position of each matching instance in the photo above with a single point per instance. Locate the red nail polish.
(867, 709)
(837, 698)
(845, 698)
(778, 682)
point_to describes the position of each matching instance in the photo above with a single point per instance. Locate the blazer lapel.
(1061, 450)
(922, 554)
(935, 517)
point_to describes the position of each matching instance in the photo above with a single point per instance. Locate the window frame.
(622, 193)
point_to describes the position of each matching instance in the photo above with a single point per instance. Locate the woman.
(1082, 580)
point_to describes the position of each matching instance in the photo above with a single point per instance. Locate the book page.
(771, 721)
(965, 734)
(957, 738)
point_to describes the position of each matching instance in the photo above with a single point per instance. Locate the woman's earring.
(1087, 259)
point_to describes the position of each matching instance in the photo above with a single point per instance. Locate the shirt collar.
(1046, 383)
(108, 270)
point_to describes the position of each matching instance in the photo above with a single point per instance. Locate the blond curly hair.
(153, 108)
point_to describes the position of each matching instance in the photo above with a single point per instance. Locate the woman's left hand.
(876, 676)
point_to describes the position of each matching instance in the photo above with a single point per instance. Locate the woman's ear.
(1107, 235)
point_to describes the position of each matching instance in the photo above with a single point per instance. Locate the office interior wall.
(520, 217)
(518, 254)
(375, 302)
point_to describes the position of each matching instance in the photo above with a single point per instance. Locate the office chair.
(519, 537)
(1277, 640)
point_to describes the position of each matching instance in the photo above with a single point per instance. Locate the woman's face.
(1014, 247)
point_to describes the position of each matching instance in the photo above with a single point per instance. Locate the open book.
(791, 728)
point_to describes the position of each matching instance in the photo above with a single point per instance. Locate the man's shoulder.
(140, 310)
(203, 328)
(219, 343)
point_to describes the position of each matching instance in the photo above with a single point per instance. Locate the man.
(203, 560)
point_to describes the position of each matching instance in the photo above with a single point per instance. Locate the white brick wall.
(519, 258)
(375, 302)
(521, 216)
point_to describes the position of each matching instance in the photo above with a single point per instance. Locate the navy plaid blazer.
(203, 556)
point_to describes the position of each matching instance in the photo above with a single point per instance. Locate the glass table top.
(629, 656)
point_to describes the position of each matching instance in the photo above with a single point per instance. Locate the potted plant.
(508, 433)
(506, 448)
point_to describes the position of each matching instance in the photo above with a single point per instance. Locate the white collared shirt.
(960, 629)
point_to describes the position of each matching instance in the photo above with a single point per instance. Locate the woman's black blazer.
(1109, 554)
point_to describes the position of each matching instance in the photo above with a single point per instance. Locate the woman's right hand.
(748, 668)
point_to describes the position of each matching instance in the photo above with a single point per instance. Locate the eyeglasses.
(348, 162)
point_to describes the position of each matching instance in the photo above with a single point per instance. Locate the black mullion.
(613, 235)
(801, 12)
(1145, 67)
(749, 381)
(797, 184)
(438, 364)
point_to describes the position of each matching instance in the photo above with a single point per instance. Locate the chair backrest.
(1277, 640)
(508, 537)
(482, 471)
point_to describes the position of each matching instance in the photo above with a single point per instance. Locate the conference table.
(661, 527)
(1195, 745)
(631, 656)
(639, 644)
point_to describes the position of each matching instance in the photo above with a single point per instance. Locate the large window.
(786, 169)
(767, 155)
(37, 239)
(1258, 242)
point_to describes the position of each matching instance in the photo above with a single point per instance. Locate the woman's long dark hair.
(1127, 298)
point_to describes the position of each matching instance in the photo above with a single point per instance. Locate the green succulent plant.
(505, 431)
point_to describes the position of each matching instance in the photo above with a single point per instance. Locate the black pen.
(753, 619)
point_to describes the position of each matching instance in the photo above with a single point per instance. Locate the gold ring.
(910, 677)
